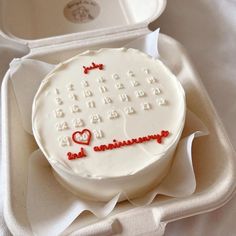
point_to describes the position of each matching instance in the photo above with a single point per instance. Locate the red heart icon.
(82, 137)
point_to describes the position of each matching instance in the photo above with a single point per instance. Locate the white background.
(207, 29)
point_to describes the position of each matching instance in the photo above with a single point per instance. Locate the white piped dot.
(119, 86)
(161, 102)
(95, 118)
(88, 93)
(90, 104)
(103, 89)
(124, 97)
(112, 114)
(101, 80)
(84, 83)
(82, 137)
(64, 141)
(70, 87)
(73, 96)
(75, 108)
(146, 71)
(140, 93)
(130, 73)
(97, 133)
(129, 110)
(107, 100)
(156, 91)
(115, 76)
(146, 106)
(134, 83)
(151, 80)
(60, 126)
(58, 113)
(59, 101)
(78, 123)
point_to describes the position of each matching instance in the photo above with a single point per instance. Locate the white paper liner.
(26, 75)
(51, 208)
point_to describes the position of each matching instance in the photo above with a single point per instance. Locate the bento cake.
(108, 121)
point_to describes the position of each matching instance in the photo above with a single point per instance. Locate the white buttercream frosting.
(131, 96)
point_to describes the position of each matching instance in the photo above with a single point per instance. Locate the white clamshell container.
(41, 25)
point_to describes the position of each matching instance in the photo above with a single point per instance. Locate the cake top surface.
(108, 113)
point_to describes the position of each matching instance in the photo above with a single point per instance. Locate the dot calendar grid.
(128, 89)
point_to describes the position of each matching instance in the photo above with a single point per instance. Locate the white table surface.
(207, 29)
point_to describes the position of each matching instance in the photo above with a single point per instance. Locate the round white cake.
(108, 122)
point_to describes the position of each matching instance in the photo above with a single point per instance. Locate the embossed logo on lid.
(81, 11)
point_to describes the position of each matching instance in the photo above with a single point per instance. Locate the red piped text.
(92, 67)
(129, 142)
(80, 154)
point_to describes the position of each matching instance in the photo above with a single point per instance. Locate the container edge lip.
(90, 41)
(7, 209)
(217, 203)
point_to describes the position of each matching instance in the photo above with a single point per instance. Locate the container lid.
(38, 22)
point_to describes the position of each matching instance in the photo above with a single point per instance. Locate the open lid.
(40, 22)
